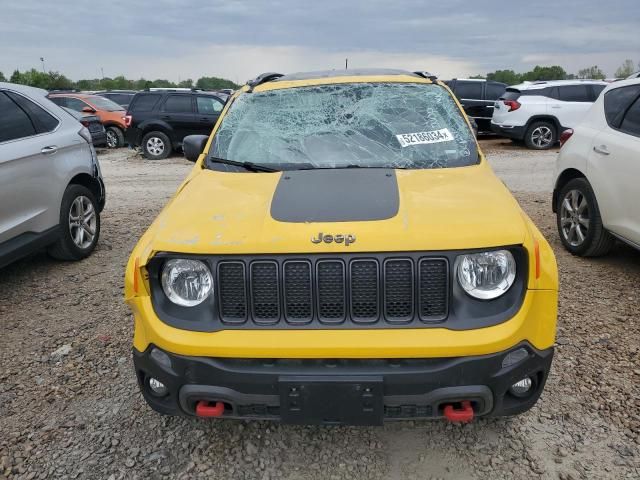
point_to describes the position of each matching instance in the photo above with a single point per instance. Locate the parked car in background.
(477, 97)
(158, 119)
(121, 97)
(93, 124)
(51, 188)
(538, 112)
(111, 114)
(596, 194)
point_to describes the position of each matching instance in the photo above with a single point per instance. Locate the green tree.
(188, 83)
(592, 73)
(626, 69)
(554, 72)
(478, 77)
(215, 83)
(505, 76)
(162, 83)
(2, 77)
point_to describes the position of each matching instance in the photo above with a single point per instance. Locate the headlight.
(186, 282)
(486, 275)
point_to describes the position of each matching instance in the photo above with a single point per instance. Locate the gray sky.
(238, 39)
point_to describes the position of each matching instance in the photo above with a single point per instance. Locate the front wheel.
(79, 225)
(156, 146)
(541, 135)
(579, 222)
(115, 137)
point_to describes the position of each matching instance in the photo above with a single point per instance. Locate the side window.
(574, 93)
(616, 103)
(178, 104)
(145, 102)
(75, 104)
(60, 101)
(595, 91)
(208, 105)
(470, 90)
(631, 122)
(494, 91)
(42, 120)
(14, 122)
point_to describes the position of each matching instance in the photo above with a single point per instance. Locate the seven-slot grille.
(363, 291)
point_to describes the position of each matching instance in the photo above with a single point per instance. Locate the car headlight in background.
(486, 275)
(186, 282)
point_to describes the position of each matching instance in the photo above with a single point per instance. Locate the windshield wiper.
(252, 167)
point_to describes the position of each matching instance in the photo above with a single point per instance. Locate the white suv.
(538, 112)
(596, 193)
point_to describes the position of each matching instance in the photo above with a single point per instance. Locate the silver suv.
(51, 188)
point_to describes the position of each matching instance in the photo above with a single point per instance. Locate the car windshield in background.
(104, 103)
(391, 125)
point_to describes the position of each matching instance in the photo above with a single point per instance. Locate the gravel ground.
(70, 407)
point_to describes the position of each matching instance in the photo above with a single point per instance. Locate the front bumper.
(509, 131)
(409, 388)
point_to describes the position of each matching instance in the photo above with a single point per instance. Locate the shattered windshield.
(395, 125)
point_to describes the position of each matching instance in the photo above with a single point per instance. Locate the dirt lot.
(70, 407)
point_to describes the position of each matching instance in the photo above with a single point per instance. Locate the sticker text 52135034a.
(422, 138)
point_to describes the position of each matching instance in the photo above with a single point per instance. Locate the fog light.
(514, 357)
(522, 387)
(157, 387)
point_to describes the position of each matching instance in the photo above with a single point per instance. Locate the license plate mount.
(328, 400)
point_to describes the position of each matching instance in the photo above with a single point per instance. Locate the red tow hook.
(205, 409)
(463, 415)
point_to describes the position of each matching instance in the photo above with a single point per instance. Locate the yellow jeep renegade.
(342, 253)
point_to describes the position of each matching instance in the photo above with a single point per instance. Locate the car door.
(572, 104)
(470, 95)
(209, 108)
(27, 140)
(614, 163)
(178, 111)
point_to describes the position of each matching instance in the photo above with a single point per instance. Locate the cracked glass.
(392, 125)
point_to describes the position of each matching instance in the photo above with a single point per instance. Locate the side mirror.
(193, 145)
(88, 110)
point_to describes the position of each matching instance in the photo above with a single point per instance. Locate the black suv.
(158, 120)
(477, 97)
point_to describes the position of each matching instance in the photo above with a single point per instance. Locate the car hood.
(235, 213)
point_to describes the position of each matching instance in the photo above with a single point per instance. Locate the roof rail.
(263, 78)
(427, 75)
(172, 89)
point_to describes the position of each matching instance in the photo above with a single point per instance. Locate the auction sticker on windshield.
(422, 138)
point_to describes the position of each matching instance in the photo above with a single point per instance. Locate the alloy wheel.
(155, 146)
(542, 136)
(574, 218)
(112, 139)
(82, 222)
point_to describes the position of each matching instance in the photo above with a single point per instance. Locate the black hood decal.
(336, 195)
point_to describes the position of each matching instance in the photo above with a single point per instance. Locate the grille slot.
(331, 291)
(265, 293)
(433, 283)
(232, 292)
(297, 291)
(398, 290)
(365, 291)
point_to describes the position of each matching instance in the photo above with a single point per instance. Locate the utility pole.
(346, 64)
(42, 60)
(102, 72)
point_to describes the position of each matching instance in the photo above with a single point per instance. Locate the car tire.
(541, 135)
(579, 222)
(156, 146)
(115, 137)
(79, 224)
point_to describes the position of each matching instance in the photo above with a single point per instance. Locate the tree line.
(556, 72)
(57, 81)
